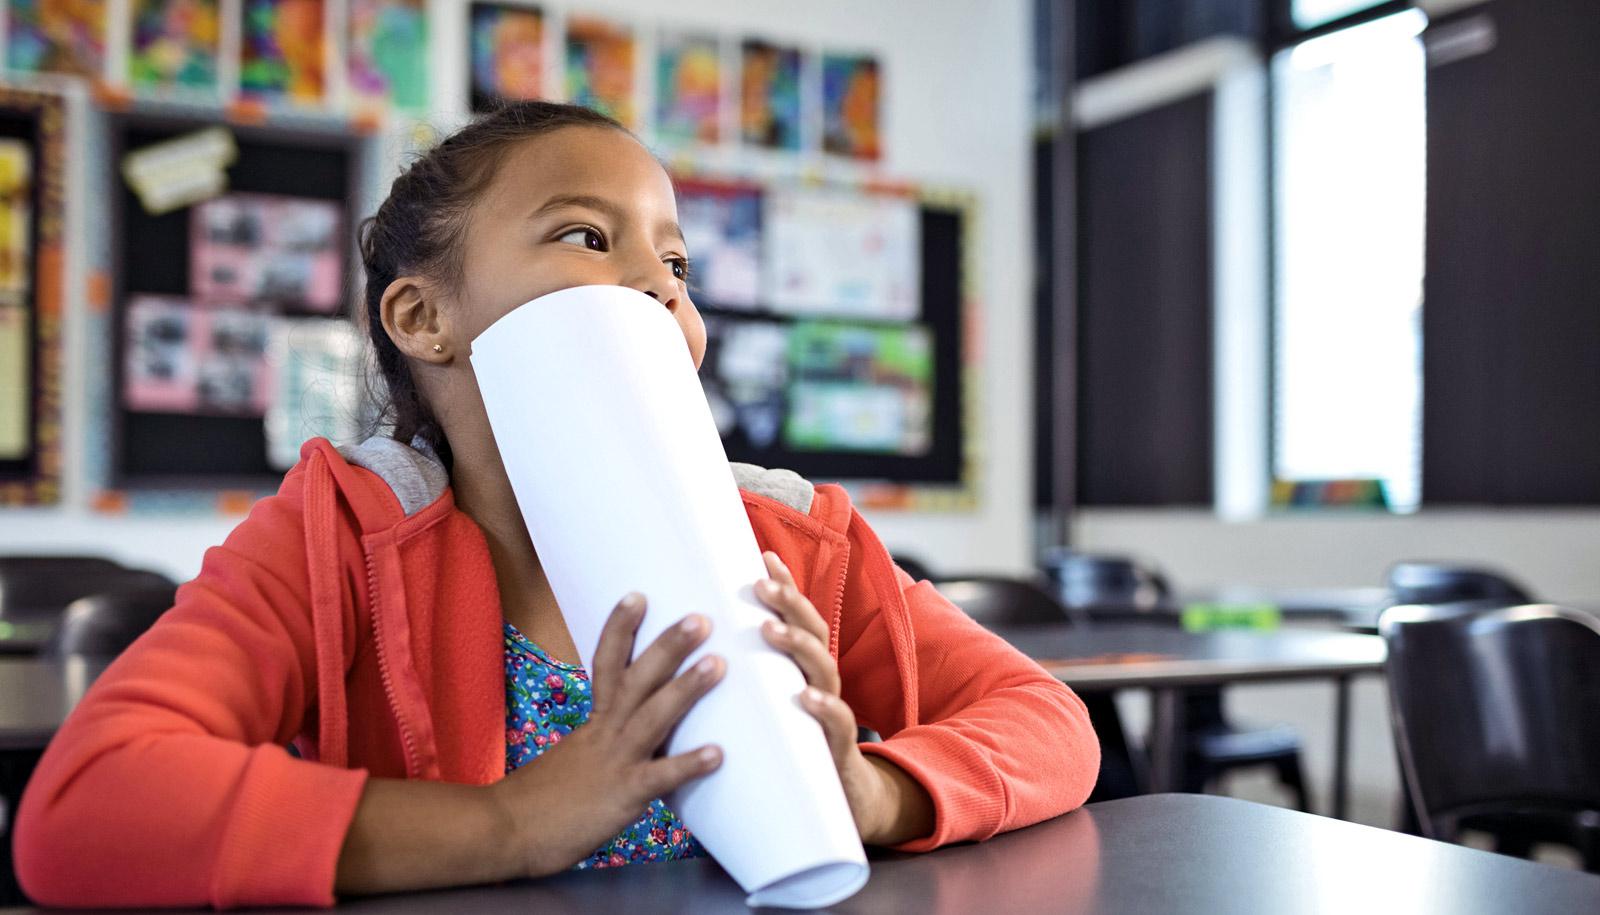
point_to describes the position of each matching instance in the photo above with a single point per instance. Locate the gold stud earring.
(438, 347)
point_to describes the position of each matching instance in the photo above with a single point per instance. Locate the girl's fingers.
(838, 722)
(784, 599)
(776, 569)
(809, 654)
(661, 712)
(659, 776)
(615, 648)
(661, 659)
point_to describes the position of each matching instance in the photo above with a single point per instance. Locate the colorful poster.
(179, 358)
(56, 36)
(16, 215)
(508, 54)
(860, 388)
(16, 380)
(843, 253)
(769, 95)
(722, 231)
(600, 58)
(388, 53)
(261, 248)
(174, 44)
(851, 89)
(688, 88)
(283, 51)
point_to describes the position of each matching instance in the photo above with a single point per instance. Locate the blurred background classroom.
(1192, 334)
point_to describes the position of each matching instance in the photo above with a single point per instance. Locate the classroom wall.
(956, 114)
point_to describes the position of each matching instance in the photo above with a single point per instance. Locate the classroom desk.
(1165, 659)
(35, 696)
(1151, 854)
(27, 633)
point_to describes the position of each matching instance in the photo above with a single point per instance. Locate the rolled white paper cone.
(621, 477)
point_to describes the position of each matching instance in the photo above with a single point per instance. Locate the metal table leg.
(1166, 740)
(1341, 746)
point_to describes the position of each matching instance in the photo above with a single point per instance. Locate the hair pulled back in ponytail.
(418, 231)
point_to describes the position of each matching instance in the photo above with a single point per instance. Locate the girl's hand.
(889, 806)
(579, 794)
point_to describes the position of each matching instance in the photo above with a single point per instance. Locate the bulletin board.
(32, 165)
(194, 293)
(839, 320)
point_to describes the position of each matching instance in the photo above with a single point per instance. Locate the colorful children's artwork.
(860, 388)
(283, 51)
(16, 380)
(688, 88)
(388, 53)
(851, 89)
(843, 253)
(266, 249)
(174, 44)
(180, 358)
(722, 230)
(600, 61)
(769, 95)
(508, 53)
(57, 36)
(16, 215)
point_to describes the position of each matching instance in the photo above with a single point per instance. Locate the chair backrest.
(1085, 580)
(1444, 583)
(102, 625)
(41, 584)
(913, 567)
(995, 600)
(1494, 709)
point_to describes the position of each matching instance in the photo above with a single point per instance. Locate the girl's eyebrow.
(601, 205)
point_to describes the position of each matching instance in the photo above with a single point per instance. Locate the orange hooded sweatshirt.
(357, 616)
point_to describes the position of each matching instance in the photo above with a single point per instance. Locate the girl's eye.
(586, 237)
(680, 268)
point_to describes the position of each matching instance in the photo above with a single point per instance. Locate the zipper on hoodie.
(407, 739)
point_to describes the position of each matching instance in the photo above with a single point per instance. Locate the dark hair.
(418, 229)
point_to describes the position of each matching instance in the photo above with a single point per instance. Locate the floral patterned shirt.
(545, 701)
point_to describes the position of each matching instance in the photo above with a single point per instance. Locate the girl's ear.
(413, 319)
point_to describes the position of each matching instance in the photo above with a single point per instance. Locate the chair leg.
(1292, 775)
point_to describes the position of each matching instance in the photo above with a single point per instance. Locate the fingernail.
(705, 666)
(709, 754)
(632, 600)
(690, 625)
(813, 694)
(777, 627)
(768, 587)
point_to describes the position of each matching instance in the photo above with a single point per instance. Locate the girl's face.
(579, 206)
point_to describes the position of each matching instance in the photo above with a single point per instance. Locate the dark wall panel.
(1511, 317)
(1144, 371)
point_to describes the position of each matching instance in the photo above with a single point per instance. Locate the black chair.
(1445, 583)
(994, 600)
(1493, 712)
(1212, 744)
(102, 625)
(913, 567)
(36, 586)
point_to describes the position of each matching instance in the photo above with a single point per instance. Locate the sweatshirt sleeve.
(169, 784)
(999, 744)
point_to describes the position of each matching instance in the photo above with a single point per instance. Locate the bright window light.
(1308, 14)
(1350, 135)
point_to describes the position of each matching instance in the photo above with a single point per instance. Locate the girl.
(386, 614)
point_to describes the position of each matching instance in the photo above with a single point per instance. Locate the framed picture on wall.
(507, 53)
(32, 173)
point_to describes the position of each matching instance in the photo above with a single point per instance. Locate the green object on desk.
(1210, 617)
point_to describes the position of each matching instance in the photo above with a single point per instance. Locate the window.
(1348, 181)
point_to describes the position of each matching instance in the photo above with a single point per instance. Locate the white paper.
(624, 485)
